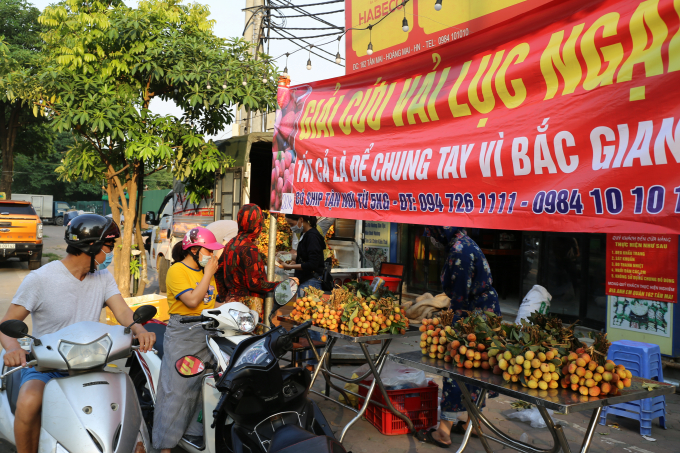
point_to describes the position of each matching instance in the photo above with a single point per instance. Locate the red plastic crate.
(391, 283)
(419, 405)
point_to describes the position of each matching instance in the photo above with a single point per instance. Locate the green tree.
(109, 61)
(37, 174)
(21, 126)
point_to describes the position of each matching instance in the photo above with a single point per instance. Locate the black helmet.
(89, 232)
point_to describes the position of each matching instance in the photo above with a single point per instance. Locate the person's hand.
(146, 339)
(212, 266)
(15, 357)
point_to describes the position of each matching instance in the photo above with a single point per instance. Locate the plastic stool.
(645, 418)
(643, 360)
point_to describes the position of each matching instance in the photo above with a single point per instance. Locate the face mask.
(296, 229)
(107, 261)
(205, 259)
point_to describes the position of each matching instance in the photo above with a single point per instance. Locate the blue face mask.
(107, 261)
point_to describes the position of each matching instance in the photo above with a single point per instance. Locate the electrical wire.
(298, 6)
(307, 15)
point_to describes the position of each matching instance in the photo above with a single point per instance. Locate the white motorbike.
(92, 410)
(226, 327)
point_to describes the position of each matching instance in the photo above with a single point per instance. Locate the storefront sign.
(566, 119)
(643, 266)
(427, 27)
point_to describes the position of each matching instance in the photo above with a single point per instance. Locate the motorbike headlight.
(254, 354)
(85, 356)
(244, 321)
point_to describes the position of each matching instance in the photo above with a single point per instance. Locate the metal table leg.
(591, 430)
(473, 412)
(376, 378)
(360, 413)
(319, 366)
(468, 431)
(556, 430)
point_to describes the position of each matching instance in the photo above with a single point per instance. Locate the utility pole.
(255, 12)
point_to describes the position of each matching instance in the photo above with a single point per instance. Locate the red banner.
(643, 266)
(568, 119)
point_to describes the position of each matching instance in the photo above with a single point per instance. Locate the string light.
(309, 59)
(338, 58)
(369, 50)
(226, 76)
(245, 81)
(438, 5)
(208, 84)
(404, 23)
(285, 69)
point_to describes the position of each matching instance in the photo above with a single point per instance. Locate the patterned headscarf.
(249, 221)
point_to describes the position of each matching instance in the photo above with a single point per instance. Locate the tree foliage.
(110, 61)
(21, 61)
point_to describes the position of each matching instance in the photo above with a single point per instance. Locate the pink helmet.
(201, 237)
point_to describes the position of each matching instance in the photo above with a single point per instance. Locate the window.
(14, 208)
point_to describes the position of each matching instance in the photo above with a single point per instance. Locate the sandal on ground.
(460, 428)
(426, 436)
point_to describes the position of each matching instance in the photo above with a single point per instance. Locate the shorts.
(30, 374)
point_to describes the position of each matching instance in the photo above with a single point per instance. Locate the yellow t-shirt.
(182, 278)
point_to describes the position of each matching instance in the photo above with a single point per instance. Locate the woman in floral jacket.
(466, 280)
(240, 276)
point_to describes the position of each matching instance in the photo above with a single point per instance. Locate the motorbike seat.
(293, 439)
(12, 383)
(159, 330)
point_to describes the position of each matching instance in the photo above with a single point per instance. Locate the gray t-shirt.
(57, 299)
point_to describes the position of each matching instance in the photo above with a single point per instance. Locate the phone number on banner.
(651, 200)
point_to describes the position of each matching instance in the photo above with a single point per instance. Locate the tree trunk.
(8, 132)
(119, 205)
(138, 235)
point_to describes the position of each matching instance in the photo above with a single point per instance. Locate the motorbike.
(226, 326)
(263, 407)
(94, 408)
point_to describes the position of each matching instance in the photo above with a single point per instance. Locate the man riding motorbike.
(57, 295)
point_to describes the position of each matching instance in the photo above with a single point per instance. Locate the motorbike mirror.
(143, 314)
(14, 328)
(189, 366)
(285, 292)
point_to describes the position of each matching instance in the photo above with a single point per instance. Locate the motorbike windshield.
(255, 354)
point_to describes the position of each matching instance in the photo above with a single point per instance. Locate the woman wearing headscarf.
(466, 280)
(240, 276)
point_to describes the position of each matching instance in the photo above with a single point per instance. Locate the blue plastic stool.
(643, 360)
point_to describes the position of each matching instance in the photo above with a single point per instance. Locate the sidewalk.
(364, 438)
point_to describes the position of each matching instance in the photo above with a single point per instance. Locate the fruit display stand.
(375, 363)
(559, 399)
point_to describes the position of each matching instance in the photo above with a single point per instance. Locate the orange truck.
(21, 233)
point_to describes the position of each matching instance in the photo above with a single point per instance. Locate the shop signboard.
(565, 119)
(428, 28)
(643, 266)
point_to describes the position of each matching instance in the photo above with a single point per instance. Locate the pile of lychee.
(531, 369)
(584, 375)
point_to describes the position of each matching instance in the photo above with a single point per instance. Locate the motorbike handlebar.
(188, 319)
(302, 327)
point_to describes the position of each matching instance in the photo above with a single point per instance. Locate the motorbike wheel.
(144, 397)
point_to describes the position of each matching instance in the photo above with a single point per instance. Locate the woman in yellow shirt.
(191, 289)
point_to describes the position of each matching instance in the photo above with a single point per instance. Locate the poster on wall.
(643, 265)
(639, 315)
(376, 244)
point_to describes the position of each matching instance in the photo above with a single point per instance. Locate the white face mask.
(205, 259)
(296, 229)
